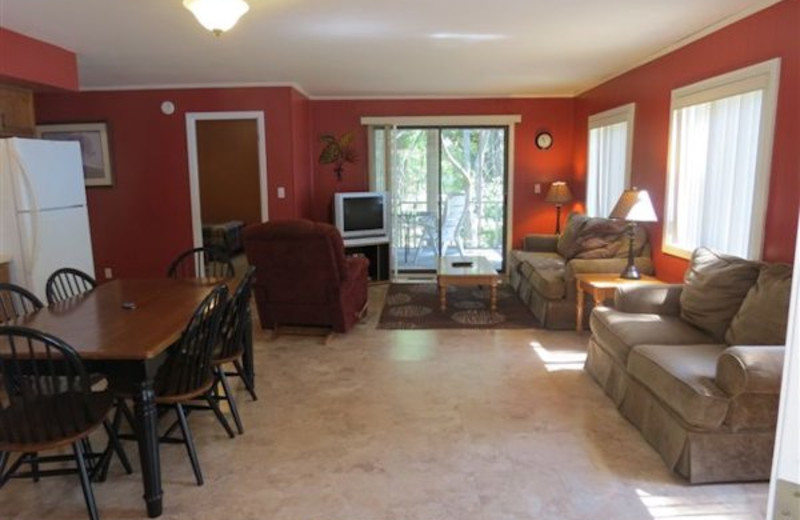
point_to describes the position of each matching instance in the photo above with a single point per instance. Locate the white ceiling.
(371, 48)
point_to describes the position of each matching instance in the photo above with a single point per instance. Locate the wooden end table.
(602, 286)
(480, 272)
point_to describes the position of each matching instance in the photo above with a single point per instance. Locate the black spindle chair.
(46, 403)
(16, 301)
(66, 283)
(232, 344)
(187, 373)
(202, 262)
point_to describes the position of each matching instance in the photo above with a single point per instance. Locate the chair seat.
(44, 432)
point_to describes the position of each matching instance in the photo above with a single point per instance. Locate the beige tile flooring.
(412, 425)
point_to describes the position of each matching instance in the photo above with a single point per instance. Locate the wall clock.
(544, 140)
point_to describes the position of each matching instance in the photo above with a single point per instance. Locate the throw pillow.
(567, 245)
(715, 286)
(606, 238)
(764, 314)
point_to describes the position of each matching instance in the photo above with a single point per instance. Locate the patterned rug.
(416, 306)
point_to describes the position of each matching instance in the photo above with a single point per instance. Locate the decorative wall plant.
(337, 151)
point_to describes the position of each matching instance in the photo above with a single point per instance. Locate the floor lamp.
(633, 206)
(558, 194)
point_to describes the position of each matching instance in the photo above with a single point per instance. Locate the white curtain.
(712, 174)
(607, 160)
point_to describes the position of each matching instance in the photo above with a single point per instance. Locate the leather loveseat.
(697, 367)
(543, 271)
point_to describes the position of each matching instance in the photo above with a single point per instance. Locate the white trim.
(786, 455)
(194, 174)
(423, 121)
(683, 42)
(192, 86)
(620, 114)
(761, 76)
(390, 122)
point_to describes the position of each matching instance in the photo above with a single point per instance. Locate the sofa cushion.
(544, 271)
(682, 376)
(764, 313)
(714, 287)
(618, 332)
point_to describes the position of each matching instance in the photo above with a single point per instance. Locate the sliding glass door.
(449, 192)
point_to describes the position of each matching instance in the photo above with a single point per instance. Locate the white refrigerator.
(44, 222)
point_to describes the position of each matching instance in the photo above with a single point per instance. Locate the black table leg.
(147, 436)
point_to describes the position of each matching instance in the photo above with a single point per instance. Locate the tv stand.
(376, 249)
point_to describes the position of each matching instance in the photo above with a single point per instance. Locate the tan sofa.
(697, 367)
(543, 271)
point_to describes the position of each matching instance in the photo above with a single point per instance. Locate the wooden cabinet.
(16, 112)
(4, 275)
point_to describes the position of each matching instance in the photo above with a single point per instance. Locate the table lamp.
(633, 206)
(558, 194)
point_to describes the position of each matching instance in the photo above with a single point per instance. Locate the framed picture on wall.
(93, 138)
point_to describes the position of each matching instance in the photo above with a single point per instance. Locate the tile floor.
(411, 425)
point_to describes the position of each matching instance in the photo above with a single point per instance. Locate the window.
(609, 160)
(719, 161)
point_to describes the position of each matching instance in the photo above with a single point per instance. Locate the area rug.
(416, 306)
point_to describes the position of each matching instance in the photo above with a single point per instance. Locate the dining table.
(123, 329)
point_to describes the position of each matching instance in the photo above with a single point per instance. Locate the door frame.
(194, 169)
(506, 120)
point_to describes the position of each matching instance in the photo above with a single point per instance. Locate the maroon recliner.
(303, 277)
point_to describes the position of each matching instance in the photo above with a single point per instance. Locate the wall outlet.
(281, 192)
(537, 188)
(108, 273)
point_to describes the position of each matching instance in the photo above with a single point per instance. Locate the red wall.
(301, 150)
(144, 220)
(27, 61)
(768, 34)
(531, 213)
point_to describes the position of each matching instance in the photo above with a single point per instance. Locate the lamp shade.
(217, 15)
(634, 205)
(558, 193)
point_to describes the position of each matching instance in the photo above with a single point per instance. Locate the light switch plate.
(281, 192)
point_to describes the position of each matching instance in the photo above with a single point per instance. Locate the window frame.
(620, 114)
(763, 76)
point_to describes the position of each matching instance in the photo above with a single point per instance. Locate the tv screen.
(361, 214)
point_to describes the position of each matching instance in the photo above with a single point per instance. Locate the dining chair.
(187, 375)
(231, 346)
(16, 301)
(48, 405)
(66, 283)
(202, 262)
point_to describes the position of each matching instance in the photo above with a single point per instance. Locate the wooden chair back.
(232, 330)
(202, 262)
(46, 400)
(66, 283)
(188, 367)
(16, 301)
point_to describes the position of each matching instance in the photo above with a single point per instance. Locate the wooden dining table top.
(103, 325)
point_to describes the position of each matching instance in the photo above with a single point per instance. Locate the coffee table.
(479, 272)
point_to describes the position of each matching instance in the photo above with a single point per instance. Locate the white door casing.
(194, 170)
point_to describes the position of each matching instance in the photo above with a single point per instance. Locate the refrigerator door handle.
(29, 253)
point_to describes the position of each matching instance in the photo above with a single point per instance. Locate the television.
(362, 214)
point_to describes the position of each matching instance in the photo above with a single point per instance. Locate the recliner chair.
(303, 277)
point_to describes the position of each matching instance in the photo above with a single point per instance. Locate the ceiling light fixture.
(217, 15)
